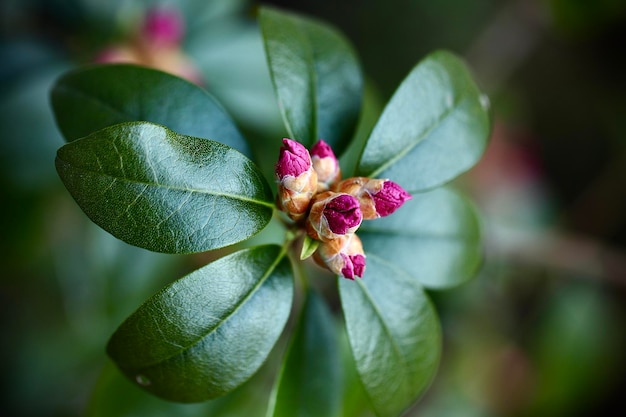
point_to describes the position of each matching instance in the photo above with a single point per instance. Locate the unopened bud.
(333, 215)
(325, 164)
(377, 198)
(163, 27)
(297, 180)
(344, 256)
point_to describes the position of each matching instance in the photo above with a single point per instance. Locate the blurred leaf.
(580, 339)
(229, 53)
(587, 18)
(394, 334)
(310, 381)
(316, 76)
(29, 138)
(434, 127)
(89, 99)
(207, 333)
(371, 110)
(354, 398)
(435, 237)
(166, 192)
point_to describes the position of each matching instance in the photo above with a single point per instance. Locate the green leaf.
(309, 246)
(394, 334)
(435, 237)
(316, 76)
(207, 333)
(310, 381)
(434, 128)
(354, 397)
(166, 192)
(89, 99)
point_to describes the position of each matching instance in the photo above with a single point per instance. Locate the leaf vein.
(181, 188)
(421, 138)
(176, 210)
(386, 328)
(230, 314)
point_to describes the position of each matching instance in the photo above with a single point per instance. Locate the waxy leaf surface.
(394, 334)
(316, 76)
(89, 99)
(208, 332)
(434, 128)
(166, 192)
(434, 237)
(310, 381)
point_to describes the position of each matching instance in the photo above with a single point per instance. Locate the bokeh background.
(540, 332)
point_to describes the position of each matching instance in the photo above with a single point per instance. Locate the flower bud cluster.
(312, 193)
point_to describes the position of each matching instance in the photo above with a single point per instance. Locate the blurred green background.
(541, 330)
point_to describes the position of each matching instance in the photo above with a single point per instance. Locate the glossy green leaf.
(166, 192)
(207, 333)
(89, 99)
(354, 397)
(310, 381)
(394, 334)
(316, 76)
(434, 128)
(435, 237)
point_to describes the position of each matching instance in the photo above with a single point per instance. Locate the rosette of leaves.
(158, 163)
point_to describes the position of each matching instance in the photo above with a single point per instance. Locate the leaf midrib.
(171, 187)
(409, 234)
(421, 138)
(385, 327)
(236, 308)
(313, 80)
(309, 57)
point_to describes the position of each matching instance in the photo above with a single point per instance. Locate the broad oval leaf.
(435, 237)
(316, 76)
(394, 334)
(89, 99)
(434, 128)
(163, 191)
(208, 332)
(310, 380)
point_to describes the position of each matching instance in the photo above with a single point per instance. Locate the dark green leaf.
(89, 99)
(435, 237)
(207, 333)
(394, 334)
(316, 76)
(354, 397)
(310, 382)
(163, 191)
(434, 127)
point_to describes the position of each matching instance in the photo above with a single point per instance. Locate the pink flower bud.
(344, 256)
(388, 197)
(325, 164)
(297, 180)
(378, 198)
(162, 27)
(333, 215)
